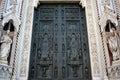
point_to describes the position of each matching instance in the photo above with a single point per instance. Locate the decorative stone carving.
(114, 72)
(73, 45)
(5, 46)
(15, 19)
(108, 14)
(106, 2)
(5, 72)
(82, 2)
(45, 47)
(36, 3)
(113, 43)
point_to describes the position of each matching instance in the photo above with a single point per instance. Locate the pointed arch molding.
(15, 18)
(81, 2)
(105, 17)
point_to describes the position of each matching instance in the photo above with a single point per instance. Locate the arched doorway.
(59, 48)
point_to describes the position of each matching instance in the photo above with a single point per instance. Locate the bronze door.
(59, 48)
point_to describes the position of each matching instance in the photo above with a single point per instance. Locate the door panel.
(59, 48)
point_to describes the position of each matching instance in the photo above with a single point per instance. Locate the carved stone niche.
(5, 72)
(9, 26)
(108, 14)
(112, 41)
(6, 42)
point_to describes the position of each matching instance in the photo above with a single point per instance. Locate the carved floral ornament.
(81, 2)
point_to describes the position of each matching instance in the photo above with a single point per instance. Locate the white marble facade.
(98, 14)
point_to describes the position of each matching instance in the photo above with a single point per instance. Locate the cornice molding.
(81, 2)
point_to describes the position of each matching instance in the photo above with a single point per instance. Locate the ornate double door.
(59, 48)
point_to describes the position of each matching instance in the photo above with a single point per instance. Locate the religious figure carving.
(6, 42)
(73, 45)
(45, 46)
(113, 43)
(44, 71)
(75, 69)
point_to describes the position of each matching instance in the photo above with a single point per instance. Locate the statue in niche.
(73, 47)
(45, 46)
(113, 43)
(6, 42)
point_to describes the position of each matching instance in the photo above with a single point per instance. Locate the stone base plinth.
(115, 63)
(114, 70)
(5, 72)
(4, 63)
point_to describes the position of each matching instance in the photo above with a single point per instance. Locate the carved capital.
(83, 3)
(36, 3)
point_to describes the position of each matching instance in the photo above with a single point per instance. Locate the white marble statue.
(5, 46)
(113, 41)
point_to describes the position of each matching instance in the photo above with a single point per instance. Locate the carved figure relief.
(6, 42)
(45, 47)
(73, 47)
(75, 71)
(44, 71)
(113, 43)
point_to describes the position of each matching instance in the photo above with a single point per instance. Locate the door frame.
(81, 21)
(97, 70)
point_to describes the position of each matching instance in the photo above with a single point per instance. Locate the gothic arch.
(14, 18)
(9, 26)
(108, 22)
